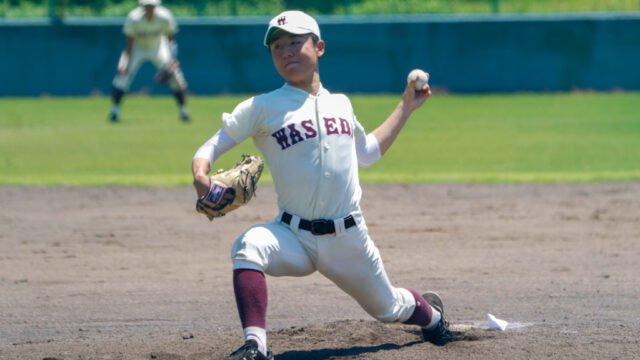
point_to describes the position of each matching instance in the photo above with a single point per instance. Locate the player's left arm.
(170, 30)
(412, 99)
(201, 168)
(173, 46)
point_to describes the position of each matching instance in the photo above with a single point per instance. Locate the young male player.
(313, 144)
(150, 30)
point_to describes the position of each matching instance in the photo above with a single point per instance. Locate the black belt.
(318, 226)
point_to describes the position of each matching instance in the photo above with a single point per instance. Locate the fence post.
(56, 9)
(51, 7)
(234, 8)
(495, 5)
(347, 7)
(200, 7)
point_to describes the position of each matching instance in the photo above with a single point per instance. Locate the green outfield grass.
(578, 137)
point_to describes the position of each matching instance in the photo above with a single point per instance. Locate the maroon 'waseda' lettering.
(345, 126)
(294, 134)
(291, 135)
(281, 138)
(311, 132)
(330, 125)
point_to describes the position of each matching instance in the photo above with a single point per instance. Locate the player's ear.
(320, 47)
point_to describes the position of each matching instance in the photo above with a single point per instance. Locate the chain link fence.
(118, 8)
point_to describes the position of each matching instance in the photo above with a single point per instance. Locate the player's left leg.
(177, 82)
(353, 262)
(179, 88)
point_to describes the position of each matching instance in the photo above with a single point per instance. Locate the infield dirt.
(136, 273)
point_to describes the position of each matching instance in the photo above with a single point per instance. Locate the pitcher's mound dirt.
(136, 273)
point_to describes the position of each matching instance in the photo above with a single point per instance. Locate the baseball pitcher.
(313, 144)
(150, 30)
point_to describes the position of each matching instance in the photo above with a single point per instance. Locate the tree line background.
(64, 8)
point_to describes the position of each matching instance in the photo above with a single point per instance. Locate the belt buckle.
(320, 224)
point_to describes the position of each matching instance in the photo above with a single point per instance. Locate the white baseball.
(422, 81)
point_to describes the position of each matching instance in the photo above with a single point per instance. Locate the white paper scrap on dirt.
(495, 323)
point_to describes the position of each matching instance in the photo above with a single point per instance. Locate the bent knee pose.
(313, 144)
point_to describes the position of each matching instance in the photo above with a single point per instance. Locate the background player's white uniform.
(150, 44)
(149, 29)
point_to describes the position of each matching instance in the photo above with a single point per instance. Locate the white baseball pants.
(159, 56)
(349, 258)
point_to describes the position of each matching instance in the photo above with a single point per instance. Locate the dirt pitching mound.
(136, 273)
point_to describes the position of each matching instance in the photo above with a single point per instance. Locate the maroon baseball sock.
(422, 314)
(250, 287)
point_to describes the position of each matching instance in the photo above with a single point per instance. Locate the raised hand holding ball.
(423, 78)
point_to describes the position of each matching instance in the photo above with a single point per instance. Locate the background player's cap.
(294, 22)
(149, 2)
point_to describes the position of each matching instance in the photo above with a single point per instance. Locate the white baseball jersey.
(308, 142)
(150, 43)
(149, 34)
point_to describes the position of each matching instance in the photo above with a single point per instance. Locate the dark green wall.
(364, 55)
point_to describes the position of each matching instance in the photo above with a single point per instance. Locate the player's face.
(148, 11)
(295, 56)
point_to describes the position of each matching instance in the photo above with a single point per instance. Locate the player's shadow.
(321, 354)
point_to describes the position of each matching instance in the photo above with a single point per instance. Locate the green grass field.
(577, 137)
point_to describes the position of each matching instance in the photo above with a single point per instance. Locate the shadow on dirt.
(325, 354)
(322, 354)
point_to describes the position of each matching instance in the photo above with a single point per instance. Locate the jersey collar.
(295, 90)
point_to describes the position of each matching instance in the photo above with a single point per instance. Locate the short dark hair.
(314, 38)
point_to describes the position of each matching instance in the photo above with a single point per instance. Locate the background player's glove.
(230, 189)
(163, 75)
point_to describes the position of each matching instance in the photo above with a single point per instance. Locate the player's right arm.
(128, 29)
(206, 155)
(412, 99)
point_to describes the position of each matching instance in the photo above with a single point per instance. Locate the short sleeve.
(171, 25)
(358, 129)
(128, 29)
(243, 121)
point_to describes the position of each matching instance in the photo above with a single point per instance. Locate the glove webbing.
(245, 188)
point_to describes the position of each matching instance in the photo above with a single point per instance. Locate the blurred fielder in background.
(150, 30)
